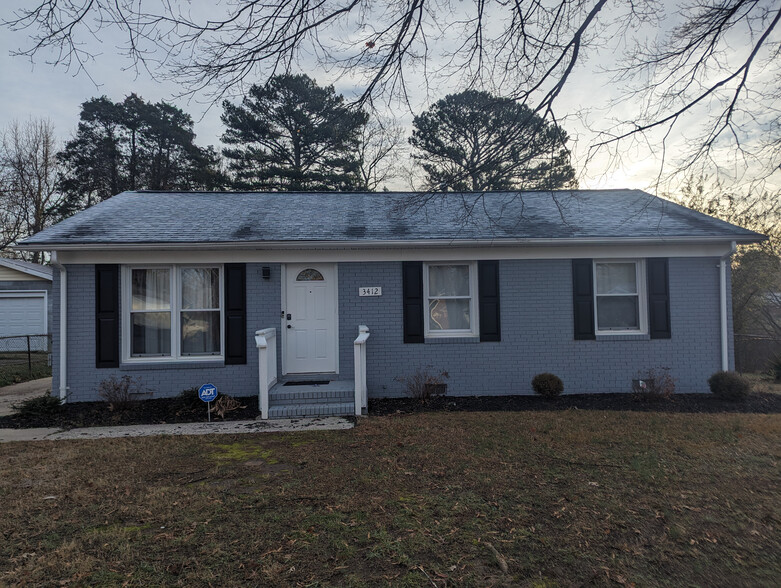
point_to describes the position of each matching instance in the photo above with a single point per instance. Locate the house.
(270, 293)
(25, 303)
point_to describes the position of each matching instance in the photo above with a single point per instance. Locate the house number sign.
(370, 291)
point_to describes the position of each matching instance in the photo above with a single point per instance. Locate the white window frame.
(176, 314)
(474, 331)
(642, 300)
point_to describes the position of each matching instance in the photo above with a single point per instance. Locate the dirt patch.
(142, 412)
(757, 402)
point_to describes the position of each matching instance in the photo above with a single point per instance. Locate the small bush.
(422, 385)
(653, 384)
(121, 393)
(548, 385)
(189, 399)
(729, 385)
(40, 405)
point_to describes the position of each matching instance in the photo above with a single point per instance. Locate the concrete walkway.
(218, 428)
(15, 393)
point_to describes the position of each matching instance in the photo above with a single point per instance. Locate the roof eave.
(29, 271)
(390, 244)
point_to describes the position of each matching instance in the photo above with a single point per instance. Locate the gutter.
(383, 244)
(723, 309)
(63, 326)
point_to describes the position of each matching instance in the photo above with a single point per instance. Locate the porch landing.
(336, 398)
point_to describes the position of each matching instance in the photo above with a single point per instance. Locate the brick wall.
(537, 335)
(263, 304)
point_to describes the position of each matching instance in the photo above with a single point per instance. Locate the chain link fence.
(25, 357)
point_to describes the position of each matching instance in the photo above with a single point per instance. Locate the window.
(450, 293)
(173, 312)
(309, 275)
(619, 297)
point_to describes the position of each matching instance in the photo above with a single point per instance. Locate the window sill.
(166, 365)
(625, 337)
(452, 340)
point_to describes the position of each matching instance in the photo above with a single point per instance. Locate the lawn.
(586, 498)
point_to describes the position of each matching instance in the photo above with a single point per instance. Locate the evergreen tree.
(473, 141)
(133, 145)
(292, 134)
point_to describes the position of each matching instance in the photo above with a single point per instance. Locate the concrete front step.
(336, 398)
(311, 410)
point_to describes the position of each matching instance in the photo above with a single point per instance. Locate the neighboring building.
(25, 299)
(492, 288)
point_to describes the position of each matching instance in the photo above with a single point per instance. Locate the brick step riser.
(293, 411)
(325, 396)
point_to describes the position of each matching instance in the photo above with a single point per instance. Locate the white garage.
(25, 303)
(23, 313)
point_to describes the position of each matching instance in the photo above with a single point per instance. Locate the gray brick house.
(252, 291)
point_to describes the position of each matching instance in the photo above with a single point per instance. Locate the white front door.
(310, 318)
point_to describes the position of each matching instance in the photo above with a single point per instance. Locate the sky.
(40, 90)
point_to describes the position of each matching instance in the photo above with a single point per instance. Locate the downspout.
(724, 329)
(63, 325)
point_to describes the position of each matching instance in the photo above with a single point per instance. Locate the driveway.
(15, 393)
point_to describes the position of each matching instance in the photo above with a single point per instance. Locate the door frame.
(283, 321)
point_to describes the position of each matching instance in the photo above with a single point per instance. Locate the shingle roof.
(34, 269)
(136, 218)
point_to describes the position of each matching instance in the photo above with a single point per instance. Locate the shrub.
(548, 385)
(40, 405)
(422, 385)
(653, 384)
(729, 385)
(189, 399)
(121, 393)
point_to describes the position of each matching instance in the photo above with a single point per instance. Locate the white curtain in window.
(448, 280)
(616, 278)
(200, 288)
(151, 289)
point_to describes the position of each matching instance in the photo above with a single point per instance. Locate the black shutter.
(412, 286)
(488, 296)
(583, 298)
(235, 313)
(106, 316)
(658, 298)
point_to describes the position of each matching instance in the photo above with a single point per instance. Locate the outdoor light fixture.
(266, 272)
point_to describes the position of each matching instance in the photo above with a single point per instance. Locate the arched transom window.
(309, 275)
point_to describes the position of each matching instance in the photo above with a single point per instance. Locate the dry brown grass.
(567, 498)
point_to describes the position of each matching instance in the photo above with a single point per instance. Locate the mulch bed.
(142, 412)
(176, 410)
(757, 402)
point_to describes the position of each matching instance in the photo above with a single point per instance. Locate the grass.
(14, 368)
(563, 498)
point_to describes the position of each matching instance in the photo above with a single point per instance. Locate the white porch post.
(266, 341)
(361, 390)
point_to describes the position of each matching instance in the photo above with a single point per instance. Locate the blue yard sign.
(207, 392)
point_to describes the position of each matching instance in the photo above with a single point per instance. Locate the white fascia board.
(442, 253)
(388, 244)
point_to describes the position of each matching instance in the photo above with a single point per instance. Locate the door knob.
(290, 326)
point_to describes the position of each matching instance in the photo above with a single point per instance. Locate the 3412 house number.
(370, 291)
